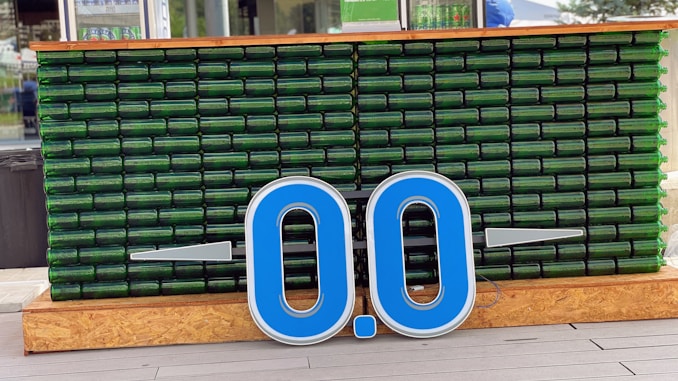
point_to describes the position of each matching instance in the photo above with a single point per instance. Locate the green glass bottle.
(648, 178)
(456, 81)
(100, 290)
(457, 152)
(144, 164)
(150, 199)
(102, 255)
(149, 235)
(521, 96)
(90, 110)
(640, 161)
(144, 288)
(611, 73)
(184, 198)
(180, 180)
(524, 202)
(150, 271)
(333, 102)
(136, 146)
(212, 70)
(648, 71)
(647, 248)
(173, 108)
(252, 68)
(446, 64)
(97, 147)
(533, 149)
(300, 122)
(330, 66)
(609, 180)
(180, 89)
(71, 274)
(52, 74)
(600, 216)
(530, 184)
(71, 238)
(181, 216)
(180, 54)
(601, 198)
(641, 231)
(69, 202)
(372, 102)
(641, 53)
(302, 157)
(221, 88)
(62, 257)
(639, 265)
(640, 196)
(142, 217)
(290, 67)
(60, 221)
(553, 166)
(92, 73)
(133, 72)
(534, 113)
(602, 163)
(408, 137)
(564, 57)
(61, 93)
(57, 149)
(106, 237)
(102, 219)
(53, 111)
(189, 234)
(410, 65)
(534, 254)
(608, 145)
(570, 75)
(61, 292)
(370, 156)
(143, 127)
(488, 97)
(451, 99)
(139, 181)
(337, 175)
(217, 179)
(172, 71)
(101, 183)
(563, 200)
(59, 130)
(189, 162)
(109, 201)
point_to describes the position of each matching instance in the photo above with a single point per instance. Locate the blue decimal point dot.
(364, 326)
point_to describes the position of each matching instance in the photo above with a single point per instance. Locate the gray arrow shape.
(217, 251)
(497, 237)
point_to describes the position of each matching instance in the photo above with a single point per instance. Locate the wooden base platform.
(131, 322)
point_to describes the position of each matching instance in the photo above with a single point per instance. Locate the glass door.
(108, 20)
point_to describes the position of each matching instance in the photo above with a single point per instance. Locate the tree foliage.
(601, 10)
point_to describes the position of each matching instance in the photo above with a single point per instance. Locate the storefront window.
(307, 16)
(20, 23)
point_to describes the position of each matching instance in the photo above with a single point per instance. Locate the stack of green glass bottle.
(148, 149)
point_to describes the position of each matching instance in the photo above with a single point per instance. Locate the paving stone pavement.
(18, 287)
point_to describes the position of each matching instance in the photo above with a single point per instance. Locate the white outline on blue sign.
(456, 270)
(334, 247)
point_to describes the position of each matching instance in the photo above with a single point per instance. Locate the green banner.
(369, 10)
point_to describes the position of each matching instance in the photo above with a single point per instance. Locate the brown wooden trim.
(208, 42)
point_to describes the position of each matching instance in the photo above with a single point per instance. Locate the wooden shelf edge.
(208, 42)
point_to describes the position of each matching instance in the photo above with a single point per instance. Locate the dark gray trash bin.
(23, 225)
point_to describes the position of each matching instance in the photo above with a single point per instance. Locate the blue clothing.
(498, 13)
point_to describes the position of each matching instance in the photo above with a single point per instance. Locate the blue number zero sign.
(385, 253)
(266, 283)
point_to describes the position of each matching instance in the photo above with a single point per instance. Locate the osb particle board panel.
(568, 300)
(130, 322)
(136, 322)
